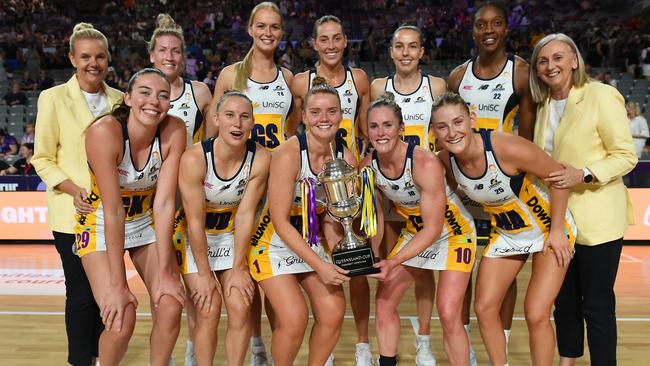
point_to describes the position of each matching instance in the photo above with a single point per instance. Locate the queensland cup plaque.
(339, 180)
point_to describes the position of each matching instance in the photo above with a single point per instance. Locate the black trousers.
(83, 323)
(587, 295)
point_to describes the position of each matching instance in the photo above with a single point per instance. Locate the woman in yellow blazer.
(64, 113)
(583, 124)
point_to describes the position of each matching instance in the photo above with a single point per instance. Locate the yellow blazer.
(594, 132)
(59, 148)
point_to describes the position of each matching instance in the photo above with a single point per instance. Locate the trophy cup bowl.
(351, 253)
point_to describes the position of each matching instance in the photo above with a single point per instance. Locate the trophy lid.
(335, 170)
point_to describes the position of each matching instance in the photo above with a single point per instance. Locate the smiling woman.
(418, 192)
(132, 153)
(64, 113)
(262, 80)
(280, 258)
(584, 124)
(495, 84)
(190, 99)
(414, 94)
(501, 172)
(330, 41)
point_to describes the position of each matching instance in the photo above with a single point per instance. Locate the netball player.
(414, 93)
(352, 85)
(222, 181)
(408, 176)
(132, 153)
(267, 85)
(280, 259)
(190, 100)
(500, 171)
(261, 79)
(495, 84)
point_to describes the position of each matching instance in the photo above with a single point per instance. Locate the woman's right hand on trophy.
(332, 274)
(385, 266)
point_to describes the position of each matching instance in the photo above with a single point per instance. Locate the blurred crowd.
(34, 35)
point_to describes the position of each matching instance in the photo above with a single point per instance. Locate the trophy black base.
(358, 261)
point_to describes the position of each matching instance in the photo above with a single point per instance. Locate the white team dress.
(272, 103)
(187, 109)
(222, 199)
(137, 188)
(416, 112)
(493, 102)
(269, 256)
(455, 248)
(518, 206)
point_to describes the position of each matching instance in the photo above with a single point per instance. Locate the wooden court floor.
(33, 333)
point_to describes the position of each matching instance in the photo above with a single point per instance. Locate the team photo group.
(278, 192)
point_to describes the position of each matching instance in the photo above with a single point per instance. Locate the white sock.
(506, 332)
(190, 346)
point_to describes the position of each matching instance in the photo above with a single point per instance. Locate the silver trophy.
(339, 180)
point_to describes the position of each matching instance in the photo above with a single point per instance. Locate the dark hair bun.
(318, 80)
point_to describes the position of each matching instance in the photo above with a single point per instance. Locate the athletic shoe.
(190, 357)
(258, 356)
(424, 356)
(363, 356)
(330, 360)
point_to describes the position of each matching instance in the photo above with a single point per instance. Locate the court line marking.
(415, 324)
(630, 258)
(412, 319)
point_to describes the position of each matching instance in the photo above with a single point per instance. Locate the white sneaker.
(258, 356)
(424, 356)
(190, 357)
(363, 356)
(330, 360)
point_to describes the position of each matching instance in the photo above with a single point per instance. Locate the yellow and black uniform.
(416, 112)
(186, 108)
(518, 206)
(222, 198)
(492, 102)
(269, 256)
(272, 103)
(137, 188)
(456, 247)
